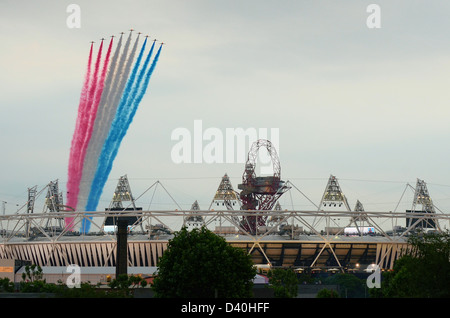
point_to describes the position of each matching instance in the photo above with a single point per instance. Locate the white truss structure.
(301, 244)
(98, 248)
(194, 219)
(225, 196)
(122, 194)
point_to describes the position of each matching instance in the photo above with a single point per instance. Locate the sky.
(367, 105)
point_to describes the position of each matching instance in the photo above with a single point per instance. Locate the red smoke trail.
(97, 95)
(87, 110)
(73, 159)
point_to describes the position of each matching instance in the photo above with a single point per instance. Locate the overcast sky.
(369, 106)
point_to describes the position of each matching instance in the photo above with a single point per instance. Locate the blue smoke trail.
(131, 98)
(128, 118)
(101, 120)
(100, 177)
(139, 97)
(132, 106)
(118, 123)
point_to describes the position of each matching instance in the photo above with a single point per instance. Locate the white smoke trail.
(105, 115)
(103, 132)
(89, 165)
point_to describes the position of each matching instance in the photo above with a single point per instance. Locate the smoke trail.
(133, 102)
(144, 87)
(104, 168)
(136, 99)
(96, 100)
(106, 150)
(71, 183)
(118, 124)
(101, 124)
(128, 118)
(99, 92)
(89, 206)
(86, 113)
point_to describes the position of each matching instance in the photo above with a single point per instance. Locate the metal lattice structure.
(53, 203)
(122, 194)
(308, 248)
(260, 193)
(359, 213)
(194, 219)
(333, 195)
(225, 195)
(422, 198)
(289, 239)
(31, 199)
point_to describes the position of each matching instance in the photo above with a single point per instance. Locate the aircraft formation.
(122, 33)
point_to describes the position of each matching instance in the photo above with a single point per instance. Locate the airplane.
(122, 33)
(113, 36)
(155, 40)
(146, 36)
(139, 33)
(162, 43)
(102, 39)
(131, 30)
(92, 42)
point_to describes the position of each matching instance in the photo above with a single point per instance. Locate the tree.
(199, 263)
(423, 271)
(327, 293)
(284, 282)
(33, 282)
(350, 286)
(123, 283)
(32, 273)
(6, 285)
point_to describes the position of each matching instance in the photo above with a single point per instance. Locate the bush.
(199, 263)
(6, 285)
(284, 282)
(423, 271)
(327, 293)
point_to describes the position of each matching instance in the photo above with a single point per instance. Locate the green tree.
(124, 284)
(423, 271)
(32, 273)
(6, 285)
(33, 282)
(86, 290)
(199, 263)
(327, 293)
(284, 282)
(350, 286)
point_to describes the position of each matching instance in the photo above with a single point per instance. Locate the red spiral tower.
(260, 193)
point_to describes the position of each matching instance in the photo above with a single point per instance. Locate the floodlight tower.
(260, 193)
(360, 213)
(53, 203)
(194, 219)
(31, 199)
(132, 215)
(422, 197)
(225, 195)
(333, 195)
(122, 193)
(426, 214)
